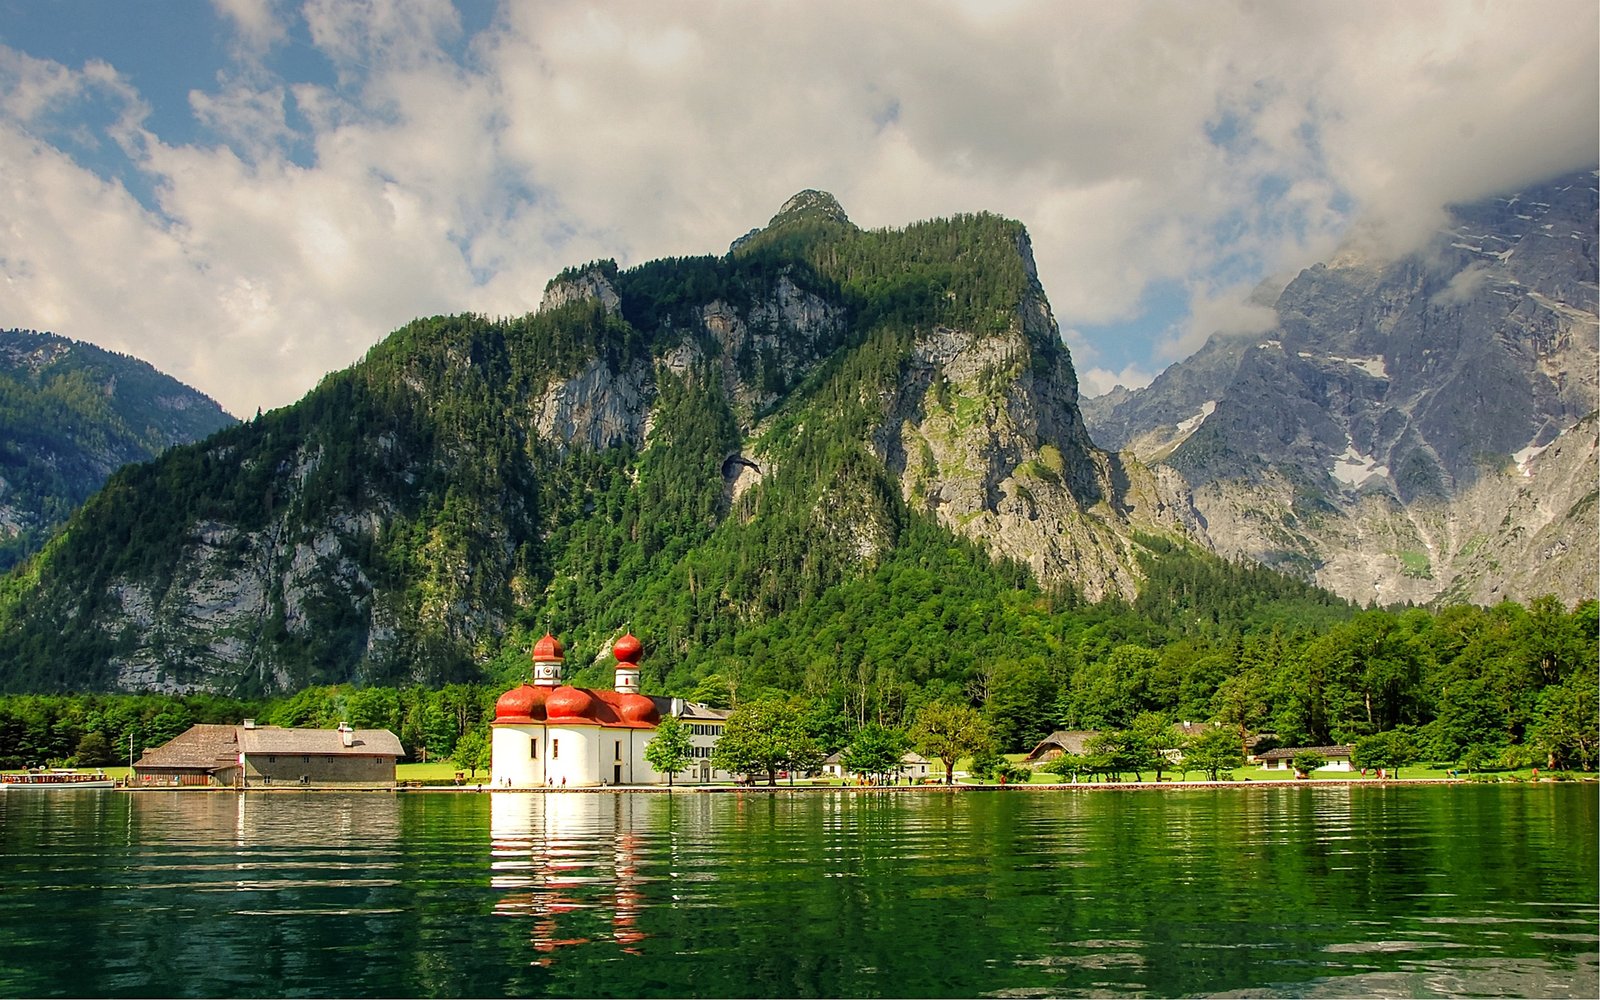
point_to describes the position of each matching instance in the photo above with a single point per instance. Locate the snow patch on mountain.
(1206, 409)
(1354, 469)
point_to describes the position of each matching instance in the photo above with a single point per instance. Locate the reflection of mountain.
(569, 863)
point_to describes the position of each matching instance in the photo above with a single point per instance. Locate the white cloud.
(1196, 145)
(258, 25)
(1228, 311)
(1099, 381)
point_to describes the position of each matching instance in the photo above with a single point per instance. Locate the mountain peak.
(809, 206)
(813, 204)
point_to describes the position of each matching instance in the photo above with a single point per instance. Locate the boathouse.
(253, 756)
(201, 755)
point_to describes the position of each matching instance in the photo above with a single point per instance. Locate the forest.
(1508, 685)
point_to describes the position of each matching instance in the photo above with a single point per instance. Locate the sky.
(249, 195)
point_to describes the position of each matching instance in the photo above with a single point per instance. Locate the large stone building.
(550, 735)
(253, 756)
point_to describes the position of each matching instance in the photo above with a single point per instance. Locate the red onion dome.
(569, 703)
(524, 703)
(627, 649)
(638, 710)
(548, 648)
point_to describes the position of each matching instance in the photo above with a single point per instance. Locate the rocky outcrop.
(596, 408)
(986, 436)
(1380, 439)
(764, 350)
(590, 283)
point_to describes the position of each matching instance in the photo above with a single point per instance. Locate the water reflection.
(559, 859)
(1273, 892)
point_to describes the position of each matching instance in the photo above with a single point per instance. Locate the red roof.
(608, 709)
(525, 703)
(548, 648)
(627, 649)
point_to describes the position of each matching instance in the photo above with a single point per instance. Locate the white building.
(550, 735)
(704, 725)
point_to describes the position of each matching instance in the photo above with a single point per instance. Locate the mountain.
(1417, 429)
(70, 415)
(694, 446)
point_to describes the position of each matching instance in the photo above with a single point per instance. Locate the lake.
(1322, 890)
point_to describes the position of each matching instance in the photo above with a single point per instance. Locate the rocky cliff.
(1391, 438)
(689, 443)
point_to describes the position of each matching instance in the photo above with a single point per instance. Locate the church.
(550, 735)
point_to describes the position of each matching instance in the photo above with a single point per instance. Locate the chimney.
(249, 723)
(347, 735)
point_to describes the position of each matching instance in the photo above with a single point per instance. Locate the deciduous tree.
(670, 749)
(761, 737)
(876, 751)
(1213, 751)
(949, 732)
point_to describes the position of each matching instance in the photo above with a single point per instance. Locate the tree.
(1068, 765)
(1481, 757)
(762, 737)
(472, 751)
(1387, 750)
(1307, 761)
(1240, 703)
(1213, 751)
(1567, 728)
(876, 751)
(1147, 741)
(93, 750)
(670, 750)
(1109, 753)
(949, 732)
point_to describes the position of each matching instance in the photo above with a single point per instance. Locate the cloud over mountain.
(350, 166)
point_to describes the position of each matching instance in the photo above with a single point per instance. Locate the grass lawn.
(437, 770)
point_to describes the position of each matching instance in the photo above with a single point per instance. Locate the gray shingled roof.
(1284, 753)
(1066, 740)
(199, 746)
(364, 742)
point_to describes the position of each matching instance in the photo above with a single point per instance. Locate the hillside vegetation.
(833, 464)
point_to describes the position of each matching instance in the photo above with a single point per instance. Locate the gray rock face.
(1354, 441)
(595, 408)
(766, 349)
(987, 437)
(591, 284)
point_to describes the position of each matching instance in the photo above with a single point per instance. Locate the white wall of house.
(517, 756)
(1285, 764)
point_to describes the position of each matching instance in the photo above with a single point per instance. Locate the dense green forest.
(70, 414)
(1502, 684)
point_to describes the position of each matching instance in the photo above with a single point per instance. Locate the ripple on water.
(1294, 891)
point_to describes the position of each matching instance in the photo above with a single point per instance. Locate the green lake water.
(1327, 890)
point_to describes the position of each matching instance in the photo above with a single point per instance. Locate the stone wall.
(318, 769)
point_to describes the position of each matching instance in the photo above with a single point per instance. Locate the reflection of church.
(550, 735)
(549, 861)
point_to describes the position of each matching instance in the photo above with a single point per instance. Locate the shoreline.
(806, 789)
